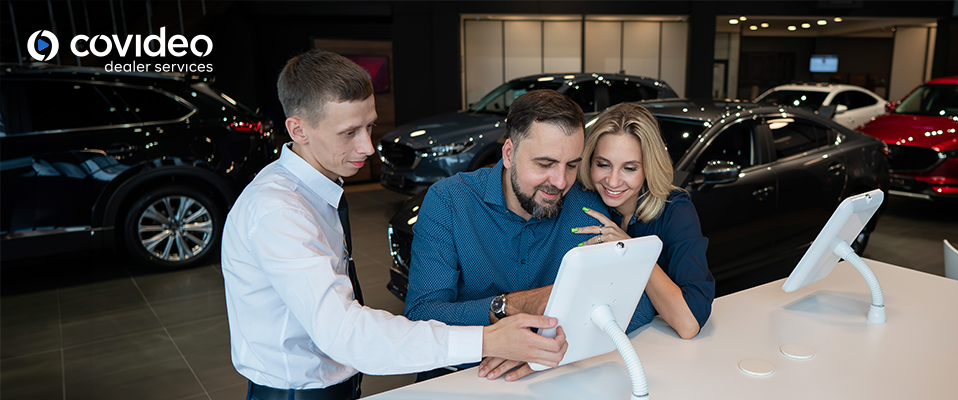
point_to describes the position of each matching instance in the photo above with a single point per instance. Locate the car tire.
(172, 227)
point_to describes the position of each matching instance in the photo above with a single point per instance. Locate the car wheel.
(860, 242)
(172, 227)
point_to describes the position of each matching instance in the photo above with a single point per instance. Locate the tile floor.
(98, 327)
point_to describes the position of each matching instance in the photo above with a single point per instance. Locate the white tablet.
(845, 224)
(613, 273)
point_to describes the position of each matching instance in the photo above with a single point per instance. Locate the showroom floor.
(100, 328)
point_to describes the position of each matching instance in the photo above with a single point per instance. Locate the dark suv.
(149, 162)
(421, 153)
(764, 180)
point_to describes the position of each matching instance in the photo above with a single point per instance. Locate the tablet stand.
(603, 318)
(876, 313)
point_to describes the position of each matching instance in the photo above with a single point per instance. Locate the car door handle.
(763, 193)
(836, 168)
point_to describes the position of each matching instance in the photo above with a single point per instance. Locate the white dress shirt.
(293, 321)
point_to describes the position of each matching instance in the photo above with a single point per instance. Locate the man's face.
(543, 168)
(339, 144)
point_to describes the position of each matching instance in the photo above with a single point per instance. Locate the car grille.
(911, 158)
(398, 155)
(400, 244)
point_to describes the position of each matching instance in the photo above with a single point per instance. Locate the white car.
(854, 105)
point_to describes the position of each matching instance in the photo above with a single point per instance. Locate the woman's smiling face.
(617, 171)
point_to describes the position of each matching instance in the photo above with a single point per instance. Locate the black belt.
(346, 390)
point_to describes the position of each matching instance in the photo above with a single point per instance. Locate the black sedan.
(146, 162)
(764, 181)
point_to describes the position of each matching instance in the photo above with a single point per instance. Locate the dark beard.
(530, 205)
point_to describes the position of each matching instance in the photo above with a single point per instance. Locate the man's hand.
(493, 367)
(511, 339)
(532, 301)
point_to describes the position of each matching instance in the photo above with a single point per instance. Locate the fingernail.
(585, 208)
(580, 244)
(574, 230)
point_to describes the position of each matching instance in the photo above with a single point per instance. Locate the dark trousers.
(348, 390)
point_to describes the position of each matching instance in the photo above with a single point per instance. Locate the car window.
(584, 95)
(622, 91)
(679, 134)
(808, 100)
(793, 136)
(150, 106)
(499, 99)
(939, 100)
(854, 99)
(53, 105)
(732, 144)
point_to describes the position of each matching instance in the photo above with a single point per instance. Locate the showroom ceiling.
(816, 25)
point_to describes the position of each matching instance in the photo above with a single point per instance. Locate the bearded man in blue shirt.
(488, 244)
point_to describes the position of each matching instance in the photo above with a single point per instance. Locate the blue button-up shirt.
(469, 247)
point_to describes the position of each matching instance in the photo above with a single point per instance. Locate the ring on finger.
(599, 239)
(600, 231)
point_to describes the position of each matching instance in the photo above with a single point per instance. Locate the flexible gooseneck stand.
(602, 316)
(876, 313)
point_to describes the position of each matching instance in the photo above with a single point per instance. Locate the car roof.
(818, 87)
(577, 77)
(93, 74)
(709, 110)
(948, 80)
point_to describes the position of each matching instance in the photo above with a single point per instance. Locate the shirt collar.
(493, 191)
(314, 180)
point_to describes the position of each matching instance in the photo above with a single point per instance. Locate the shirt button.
(523, 262)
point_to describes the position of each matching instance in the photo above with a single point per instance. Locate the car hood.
(446, 129)
(938, 133)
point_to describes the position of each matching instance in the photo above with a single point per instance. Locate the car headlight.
(446, 149)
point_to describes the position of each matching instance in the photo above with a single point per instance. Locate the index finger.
(536, 321)
(598, 216)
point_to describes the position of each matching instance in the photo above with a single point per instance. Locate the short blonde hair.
(633, 119)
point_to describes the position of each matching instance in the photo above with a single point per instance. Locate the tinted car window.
(620, 92)
(941, 100)
(149, 106)
(67, 105)
(679, 134)
(584, 95)
(810, 101)
(499, 100)
(733, 144)
(794, 136)
(854, 99)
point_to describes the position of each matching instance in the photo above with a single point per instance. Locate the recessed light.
(733, 21)
(838, 19)
(753, 27)
(764, 24)
(822, 22)
(806, 25)
(742, 18)
(792, 27)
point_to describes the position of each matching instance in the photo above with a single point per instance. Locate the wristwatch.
(498, 306)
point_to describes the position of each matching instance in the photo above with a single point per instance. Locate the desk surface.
(912, 356)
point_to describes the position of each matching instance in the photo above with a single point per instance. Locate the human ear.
(508, 151)
(295, 127)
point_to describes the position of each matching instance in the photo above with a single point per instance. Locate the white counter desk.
(912, 356)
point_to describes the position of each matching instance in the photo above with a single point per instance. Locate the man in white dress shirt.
(296, 330)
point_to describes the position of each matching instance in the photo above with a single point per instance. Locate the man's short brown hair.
(316, 77)
(543, 105)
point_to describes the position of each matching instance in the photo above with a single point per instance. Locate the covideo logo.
(35, 45)
(103, 45)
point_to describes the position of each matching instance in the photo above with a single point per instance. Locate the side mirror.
(891, 105)
(720, 171)
(840, 109)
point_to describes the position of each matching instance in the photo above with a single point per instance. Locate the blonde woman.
(626, 164)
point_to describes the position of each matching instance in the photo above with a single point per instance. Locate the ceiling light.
(792, 27)
(806, 25)
(838, 19)
(733, 21)
(753, 27)
(822, 22)
(742, 18)
(764, 24)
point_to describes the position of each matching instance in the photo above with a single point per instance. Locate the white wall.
(562, 46)
(483, 50)
(909, 56)
(523, 49)
(640, 54)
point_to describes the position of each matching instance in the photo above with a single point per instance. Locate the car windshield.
(499, 100)
(808, 100)
(679, 134)
(939, 100)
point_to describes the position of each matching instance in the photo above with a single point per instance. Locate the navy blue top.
(469, 247)
(683, 251)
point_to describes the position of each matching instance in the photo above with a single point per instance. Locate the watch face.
(499, 306)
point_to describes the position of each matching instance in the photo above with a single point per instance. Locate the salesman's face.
(543, 168)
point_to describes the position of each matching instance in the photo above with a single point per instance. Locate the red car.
(920, 132)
